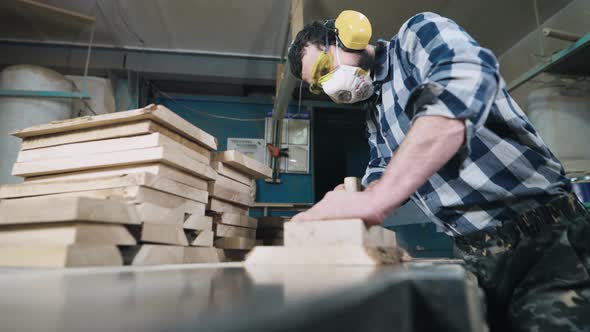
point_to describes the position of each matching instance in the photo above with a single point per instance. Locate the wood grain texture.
(218, 205)
(326, 255)
(154, 214)
(59, 255)
(336, 233)
(155, 169)
(198, 222)
(235, 243)
(229, 194)
(222, 230)
(235, 219)
(161, 154)
(65, 233)
(202, 238)
(231, 173)
(194, 255)
(140, 179)
(46, 209)
(156, 113)
(160, 234)
(244, 164)
(151, 254)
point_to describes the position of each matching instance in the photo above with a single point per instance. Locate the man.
(445, 133)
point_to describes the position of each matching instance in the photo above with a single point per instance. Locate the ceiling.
(259, 26)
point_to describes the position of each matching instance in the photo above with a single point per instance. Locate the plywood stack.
(149, 162)
(271, 230)
(230, 199)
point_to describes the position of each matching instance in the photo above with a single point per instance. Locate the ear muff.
(353, 30)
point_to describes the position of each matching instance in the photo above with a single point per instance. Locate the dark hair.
(312, 34)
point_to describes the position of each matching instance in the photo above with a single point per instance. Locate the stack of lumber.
(270, 230)
(121, 188)
(230, 199)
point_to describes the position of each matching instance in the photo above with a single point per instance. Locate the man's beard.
(366, 61)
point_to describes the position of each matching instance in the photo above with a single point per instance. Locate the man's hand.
(341, 204)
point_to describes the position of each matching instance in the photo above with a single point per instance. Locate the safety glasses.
(320, 71)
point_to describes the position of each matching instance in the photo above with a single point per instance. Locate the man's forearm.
(430, 143)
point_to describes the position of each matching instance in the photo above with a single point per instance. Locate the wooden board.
(237, 186)
(272, 222)
(156, 113)
(65, 233)
(221, 206)
(154, 214)
(201, 223)
(203, 238)
(222, 230)
(139, 194)
(59, 256)
(235, 220)
(160, 234)
(231, 173)
(194, 255)
(229, 194)
(108, 145)
(235, 243)
(336, 233)
(156, 169)
(327, 255)
(114, 159)
(140, 179)
(244, 164)
(151, 254)
(46, 209)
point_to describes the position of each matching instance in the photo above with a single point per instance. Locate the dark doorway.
(340, 147)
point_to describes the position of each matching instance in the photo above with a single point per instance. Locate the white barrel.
(561, 114)
(102, 99)
(18, 113)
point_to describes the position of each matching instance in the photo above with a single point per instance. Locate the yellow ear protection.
(353, 33)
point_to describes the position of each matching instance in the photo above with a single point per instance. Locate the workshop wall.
(294, 188)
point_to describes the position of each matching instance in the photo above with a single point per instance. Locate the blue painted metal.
(43, 94)
(555, 60)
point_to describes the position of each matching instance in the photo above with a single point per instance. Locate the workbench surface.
(234, 297)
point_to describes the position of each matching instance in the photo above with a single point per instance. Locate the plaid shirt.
(433, 67)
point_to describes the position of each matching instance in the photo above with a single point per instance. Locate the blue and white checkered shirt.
(433, 67)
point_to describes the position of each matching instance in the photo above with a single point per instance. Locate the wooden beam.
(222, 230)
(235, 219)
(203, 238)
(229, 194)
(198, 222)
(337, 233)
(65, 234)
(194, 255)
(235, 243)
(59, 255)
(151, 254)
(47, 209)
(231, 173)
(160, 234)
(221, 206)
(326, 255)
(140, 179)
(244, 164)
(156, 113)
(155, 214)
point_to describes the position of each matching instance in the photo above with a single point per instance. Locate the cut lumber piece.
(203, 238)
(221, 206)
(235, 243)
(222, 230)
(156, 169)
(337, 232)
(156, 113)
(237, 186)
(138, 194)
(198, 222)
(154, 214)
(326, 255)
(139, 179)
(272, 222)
(159, 233)
(114, 159)
(229, 194)
(65, 233)
(244, 164)
(46, 209)
(151, 254)
(231, 173)
(194, 255)
(60, 255)
(235, 219)
(109, 145)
